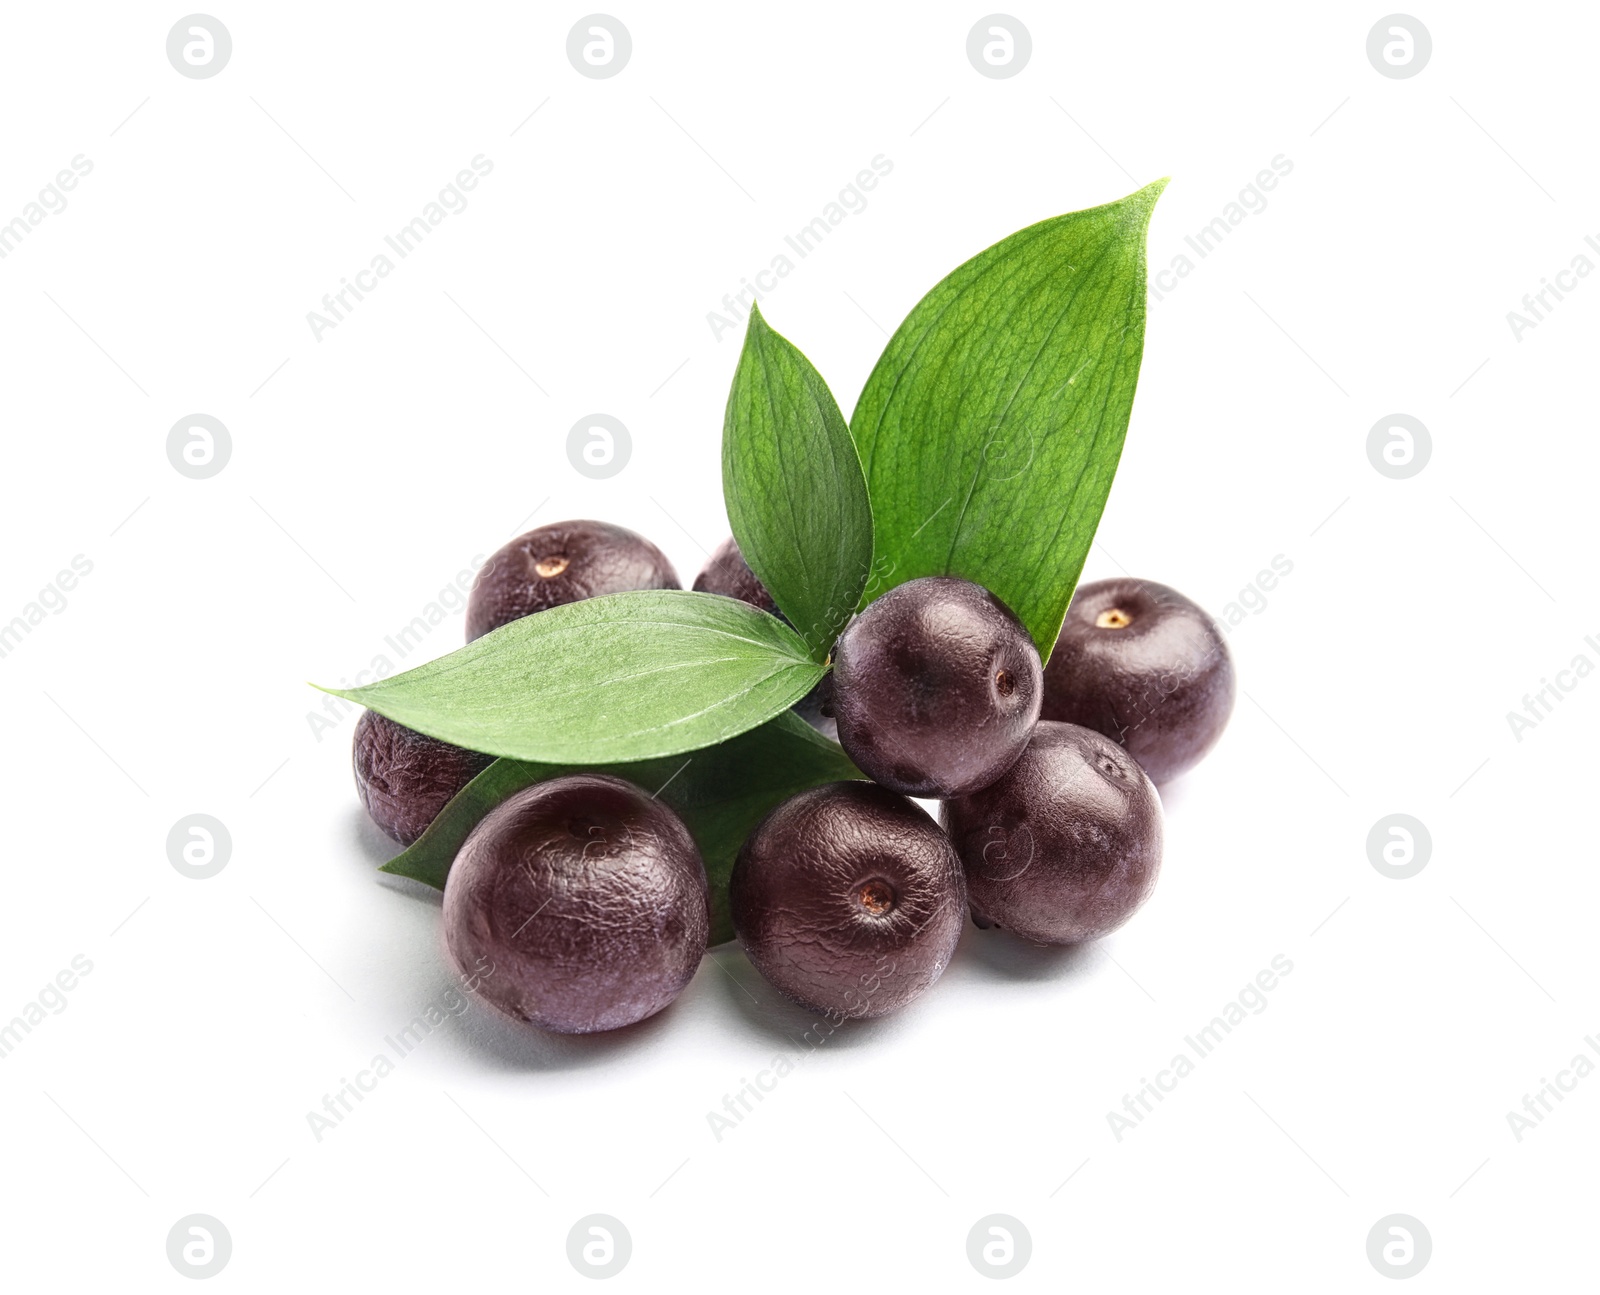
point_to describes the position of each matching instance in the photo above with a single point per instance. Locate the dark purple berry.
(936, 686)
(581, 903)
(1066, 845)
(405, 778)
(1142, 664)
(565, 562)
(848, 899)
(727, 573)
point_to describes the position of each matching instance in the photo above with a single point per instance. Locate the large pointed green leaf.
(796, 497)
(622, 677)
(991, 427)
(721, 793)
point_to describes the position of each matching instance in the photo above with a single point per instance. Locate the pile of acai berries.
(588, 897)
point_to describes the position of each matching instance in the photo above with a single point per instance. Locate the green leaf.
(796, 495)
(721, 793)
(992, 424)
(622, 677)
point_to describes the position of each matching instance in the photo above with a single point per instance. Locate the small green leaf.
(795, 491)
(721, 793)
(622, 677)
(992, 424)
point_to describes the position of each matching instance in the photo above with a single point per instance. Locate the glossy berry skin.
(728, 574)
(1142, 664)
(936, 688)
(1066, 845)
(565, 562)
(585, 898)
(404, 777)
(848, 899)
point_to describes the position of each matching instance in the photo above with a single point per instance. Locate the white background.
(372, 465)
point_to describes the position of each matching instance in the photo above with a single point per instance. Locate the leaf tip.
(402, 865)
(1141, 202)
(756, 325)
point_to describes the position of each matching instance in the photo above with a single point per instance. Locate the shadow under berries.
(493, 1041)
(373, 847)
(997, 955)
(797, 1031)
